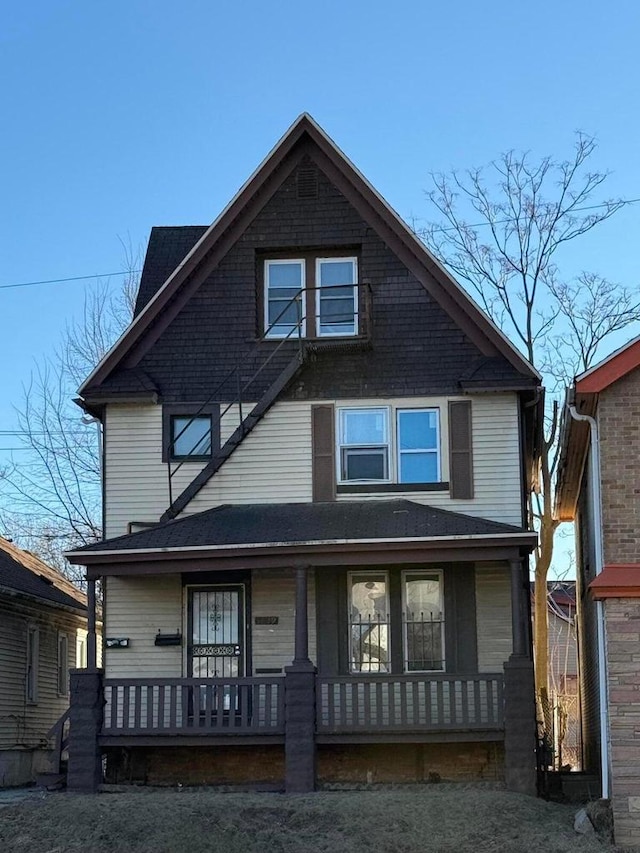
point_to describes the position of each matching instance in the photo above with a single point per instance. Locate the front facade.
(43, 635)
(598, 489)
(316, 457)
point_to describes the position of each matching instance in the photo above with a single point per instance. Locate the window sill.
(367, 488)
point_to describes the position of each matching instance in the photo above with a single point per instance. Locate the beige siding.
(138, 608)
(493, 619)
(25, 724)
(273, 463)
(273, 594)
(136, 478)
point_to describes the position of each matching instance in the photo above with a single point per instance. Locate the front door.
(216, 632)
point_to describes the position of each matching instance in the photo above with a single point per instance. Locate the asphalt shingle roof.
(305, 522)
(23, 572)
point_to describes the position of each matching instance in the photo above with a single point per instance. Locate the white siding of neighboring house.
(493, 615)
(273, 463)
(23, 724)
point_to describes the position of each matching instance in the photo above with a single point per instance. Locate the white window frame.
(371, 573)
(32, 664)
(63, 664)
(273, 334)
(437, 450)
(405, 639)
(337, 260)
(344, 410)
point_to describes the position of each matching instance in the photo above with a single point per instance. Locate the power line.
(439, 228)
(71, 278)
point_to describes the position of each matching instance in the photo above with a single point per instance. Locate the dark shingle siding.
(296, 522)
(417, 348)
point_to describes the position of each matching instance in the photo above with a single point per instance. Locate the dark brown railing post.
(300, 702)
(86, 712)
(92, 640)
(519, 726)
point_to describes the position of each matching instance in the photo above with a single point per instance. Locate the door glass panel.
(216, 647)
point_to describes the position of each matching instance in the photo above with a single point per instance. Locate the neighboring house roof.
(248, 525)
(304, 138)
(23, 573)
(574, 435)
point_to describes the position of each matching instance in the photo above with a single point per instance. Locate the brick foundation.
(337, 763)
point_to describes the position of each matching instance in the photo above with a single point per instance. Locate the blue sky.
(122, 115)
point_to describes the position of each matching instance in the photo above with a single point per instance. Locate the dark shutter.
(460, 449)
(322, 438)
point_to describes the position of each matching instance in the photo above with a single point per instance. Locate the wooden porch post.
(92, 642)
(301, 647)
(300, 702)
(518, 610)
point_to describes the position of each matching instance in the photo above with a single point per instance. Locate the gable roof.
(216, 241)
(23, 573)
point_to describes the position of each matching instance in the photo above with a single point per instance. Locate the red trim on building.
(612, 369)
(619, 580)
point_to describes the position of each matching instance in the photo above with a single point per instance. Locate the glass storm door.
(216, 632)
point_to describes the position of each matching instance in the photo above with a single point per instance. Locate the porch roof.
(251, 528)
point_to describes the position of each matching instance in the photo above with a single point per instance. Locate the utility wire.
(73, 278)
(439, 228)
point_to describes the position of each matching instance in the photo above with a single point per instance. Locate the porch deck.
(359, 708)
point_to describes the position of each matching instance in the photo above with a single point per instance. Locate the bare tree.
(51, 498)
(503, 231)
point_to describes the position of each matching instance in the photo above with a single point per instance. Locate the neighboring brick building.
(606, 510)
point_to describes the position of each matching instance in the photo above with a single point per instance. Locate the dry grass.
(437, 818)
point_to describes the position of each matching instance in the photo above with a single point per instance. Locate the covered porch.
(328, 691)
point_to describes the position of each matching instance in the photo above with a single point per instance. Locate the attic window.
(307, 182)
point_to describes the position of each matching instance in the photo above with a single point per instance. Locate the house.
(43, 634)
(317, 452)
(598, 488)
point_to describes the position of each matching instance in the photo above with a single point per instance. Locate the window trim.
(63, 664)
(32, 664)
(406, 573)
(354, 287)
(438, 449)
(171, 410)
(388, 445)
(272, 335)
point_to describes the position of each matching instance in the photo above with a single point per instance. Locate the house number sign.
(215, 651)
(266, 620)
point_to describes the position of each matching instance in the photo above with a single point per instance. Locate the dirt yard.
(438, 818)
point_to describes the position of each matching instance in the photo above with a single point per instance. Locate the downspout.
(596, 502)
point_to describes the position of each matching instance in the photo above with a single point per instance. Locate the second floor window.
(365, 444)
(311, 296)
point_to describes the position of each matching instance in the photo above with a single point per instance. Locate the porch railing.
(174, 706)
(383, 703)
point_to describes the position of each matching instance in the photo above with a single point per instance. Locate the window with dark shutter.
(323, 464)
(460, 450)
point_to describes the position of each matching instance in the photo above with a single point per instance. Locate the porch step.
(51, 781)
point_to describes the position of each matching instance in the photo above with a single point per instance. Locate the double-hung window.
(283, 304)
(365, 440)
(418, 441)
(63, 665)
(33, 663)
(364, 445)
(336, 296)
